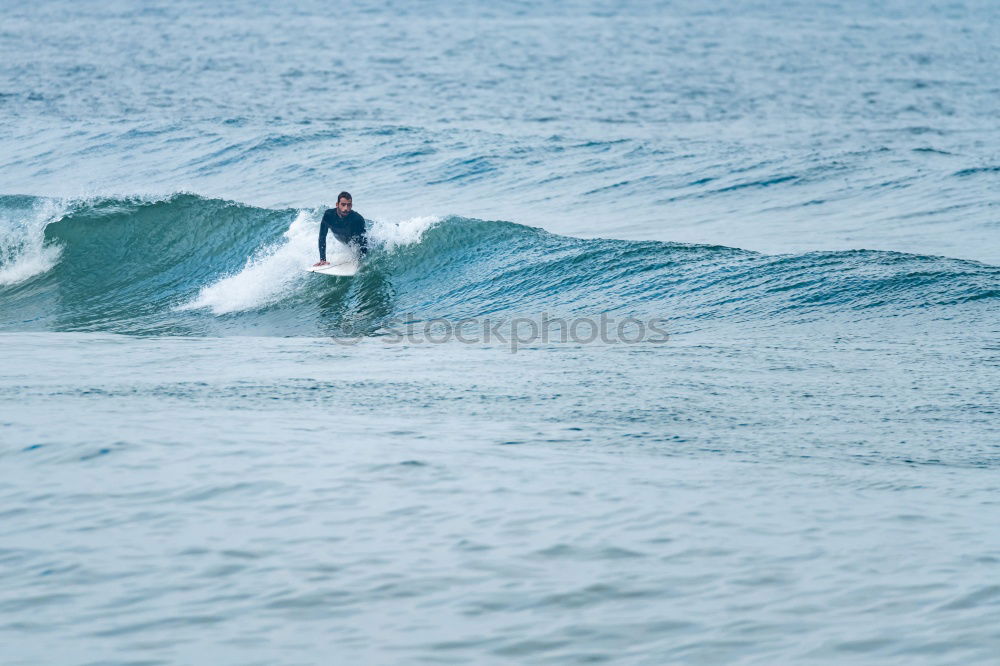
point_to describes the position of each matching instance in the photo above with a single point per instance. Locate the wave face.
(187, 265)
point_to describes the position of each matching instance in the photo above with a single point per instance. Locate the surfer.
(346, 224)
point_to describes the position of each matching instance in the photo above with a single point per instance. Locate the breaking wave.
(187, 265)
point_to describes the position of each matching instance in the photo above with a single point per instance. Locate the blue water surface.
(779, 445)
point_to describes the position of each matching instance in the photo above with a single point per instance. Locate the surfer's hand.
(321, 263)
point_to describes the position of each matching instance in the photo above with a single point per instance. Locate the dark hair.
(344, 195)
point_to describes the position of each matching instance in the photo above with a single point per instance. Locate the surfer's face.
(344, 207)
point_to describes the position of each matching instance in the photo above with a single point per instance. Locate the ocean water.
(678, 340)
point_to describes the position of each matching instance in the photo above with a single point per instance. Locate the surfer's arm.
(362, 235)
(323, 229)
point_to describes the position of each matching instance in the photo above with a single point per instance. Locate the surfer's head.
(344, 203)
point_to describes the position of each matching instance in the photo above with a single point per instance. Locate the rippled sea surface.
(210, 456)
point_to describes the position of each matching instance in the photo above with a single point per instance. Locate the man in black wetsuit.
(347, 226)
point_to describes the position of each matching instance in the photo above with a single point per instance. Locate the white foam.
(23, 252)
(391, 235)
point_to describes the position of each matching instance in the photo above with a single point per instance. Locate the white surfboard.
(344, 268)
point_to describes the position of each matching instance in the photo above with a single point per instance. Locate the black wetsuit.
(348, 229)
